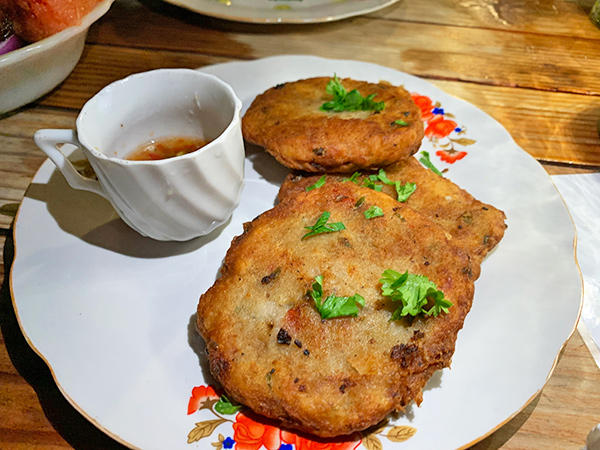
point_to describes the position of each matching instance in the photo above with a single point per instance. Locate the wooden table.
(534, 66)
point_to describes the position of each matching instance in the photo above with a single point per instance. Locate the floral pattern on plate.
(247, 431)
(443, 133)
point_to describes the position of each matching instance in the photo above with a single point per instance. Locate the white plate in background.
(283, 11)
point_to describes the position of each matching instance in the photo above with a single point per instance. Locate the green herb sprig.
(353, 178)
(348, 101)
(370, 182)
(403, 191)
(413, 292)
(320, 182)
(373, 211)
(321, 226)
(224, 406)
(426, 161)
(334, 306)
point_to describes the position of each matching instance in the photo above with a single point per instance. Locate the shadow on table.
(68, 422)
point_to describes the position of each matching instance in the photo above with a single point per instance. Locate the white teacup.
(177, 198)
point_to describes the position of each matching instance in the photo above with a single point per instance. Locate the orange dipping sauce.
(166, 148)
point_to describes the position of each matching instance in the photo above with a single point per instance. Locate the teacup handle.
(47, 141)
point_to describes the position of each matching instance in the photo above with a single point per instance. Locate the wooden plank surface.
(485, 56)
(103, 64)
(532, 65)
(562, 415)
(551, 126)
(564, 18)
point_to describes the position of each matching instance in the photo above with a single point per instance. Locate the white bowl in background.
(34, 70)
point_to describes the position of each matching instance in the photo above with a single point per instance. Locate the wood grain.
(564, 412)
(34, 415)
(532, 65)
(486, 56)
(564, 18)
(19, 160)
(103, 64)
(551, 126)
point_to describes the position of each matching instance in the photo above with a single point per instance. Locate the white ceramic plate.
(112, 313)
(283, 11)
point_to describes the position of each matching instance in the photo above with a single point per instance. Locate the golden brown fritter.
(287, 122)
(267, 343)
(476, 225)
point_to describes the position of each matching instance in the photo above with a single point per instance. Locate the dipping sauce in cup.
(166, 148)
(175, 198)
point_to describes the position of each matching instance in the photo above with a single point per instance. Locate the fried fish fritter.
(287, 122)
(271, 350)
(476, 225)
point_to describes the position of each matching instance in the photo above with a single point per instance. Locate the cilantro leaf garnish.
(334, 306)
(382, 176)
(414, 292)
(370, 183)
(321, 226)
(426, 161)
(348, 101)
(440, 304)
(224, 406)
(403, 191)
(320, 182)
(373, 211)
